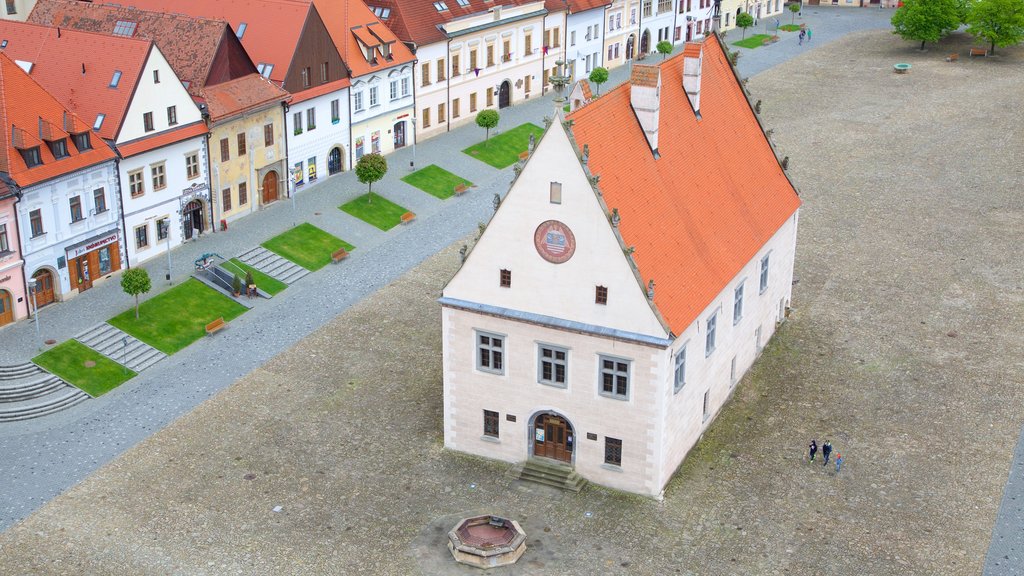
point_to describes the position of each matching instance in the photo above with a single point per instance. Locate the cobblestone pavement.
(903, 350)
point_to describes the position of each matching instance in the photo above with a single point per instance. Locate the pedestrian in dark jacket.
(814, 449)
(826, 451)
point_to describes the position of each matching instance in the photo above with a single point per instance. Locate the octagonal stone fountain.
(487, 541)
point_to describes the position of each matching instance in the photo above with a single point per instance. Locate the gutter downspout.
(120, 206)
(675, 16)
(448, 86)
(21, 252)
(287, 161)
(604, 30)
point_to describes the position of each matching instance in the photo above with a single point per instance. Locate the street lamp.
(164, 227)
(34, 291)
(412, 165)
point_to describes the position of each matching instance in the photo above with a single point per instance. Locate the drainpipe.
(120, 206)
(448, 86)
(21, 249)
(604, 30)
(675, 15)
(289, 185)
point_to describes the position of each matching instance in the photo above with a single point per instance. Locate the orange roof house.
(365, 43)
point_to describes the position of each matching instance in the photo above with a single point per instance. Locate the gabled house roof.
(91, 74)
(708, 203)
(240, 95)
(422, 21)
(575, 6)
(356, 30)
(30, 117)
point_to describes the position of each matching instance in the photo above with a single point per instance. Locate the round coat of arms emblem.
(554, 241)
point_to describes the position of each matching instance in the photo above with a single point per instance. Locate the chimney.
(645, 97)
(693, 61)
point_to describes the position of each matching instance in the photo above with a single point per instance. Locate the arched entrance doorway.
(399, 132)
(43, 280)
(270, 187)
(6, 308)
(645, 42)
(334, 162)
(192, 216)
(505, 94)
(629, 46)
(553, 437)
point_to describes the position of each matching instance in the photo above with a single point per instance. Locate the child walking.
(813, 447)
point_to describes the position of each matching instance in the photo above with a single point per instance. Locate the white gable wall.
(155, 97)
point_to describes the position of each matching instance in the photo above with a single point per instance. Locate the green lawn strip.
(178, 317)
(504, 149)
(263, 282)
(790, 27)
(436, 181)
(67, 360)
(307, 246)
(754, 41)
(380, 212)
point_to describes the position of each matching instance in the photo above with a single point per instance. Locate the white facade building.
(585, 46)
(315, 125)
(382, 111)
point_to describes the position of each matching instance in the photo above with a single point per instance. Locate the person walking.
(813, 447)
(808, 34)
(803, 34)
(826, 451)
(839, 462)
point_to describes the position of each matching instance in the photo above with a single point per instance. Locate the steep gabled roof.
(575, 6)
(78, 68)
(702, 210)
(29, 115)
(354, 28)
(241, 95)
(421, 22)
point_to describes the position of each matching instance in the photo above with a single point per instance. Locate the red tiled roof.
(702, 211)
(585, 87)
(23, 102)
(320, 90)
(60, 58)
(644, 75)
(241, 94)
(420, 22)
(348, 19)
(575, 6)
(162, 139)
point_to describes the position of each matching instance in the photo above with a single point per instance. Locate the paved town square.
(901, 350)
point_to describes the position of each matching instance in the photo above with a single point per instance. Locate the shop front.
(93, 259)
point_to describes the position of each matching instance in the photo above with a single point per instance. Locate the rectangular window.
(4, 246)
(709, 342)
(225, 197)
(373, 96)
(664, 6)
(163, 229)
(36, 221)
(547, 38)
(472, 60)
(440, 113)
(147, 121)
(440, 70)
(156, 76)
(225, 150)
(82, 141)
(472, 102)
(268, 135)
(99, 200)
(76, 208)
(405, 87)
(241, 143)
(425, 74)
(311, 167)
(601, 295)
(490, 97)
(764, 273)
(310, 118)
(647, 8)
(142, 236)
(136, 186)
(172, 115)
(426, 118)
(526, 82)
(455, 108)
(455, 65)
(394, 89)
(505, 279)
(323, 72)
(243, 194)
(192, 165)
(680, 378)
(11, 7)
(614, 377)
(358, 101)
(159, 174)
(707, 404)
(553, 366)
(491, 423)
(527, 45)
(506, 51)
(490, 353)
(490, 54)
(572, 38)
(335, 112)
(556, 37)
(305, 77)
(612, 451)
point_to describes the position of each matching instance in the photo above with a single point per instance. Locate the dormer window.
(440, 6)
(31, 156)
(59, 148)
(124, 28)
(3, 43)
(241, 30)
(82, 141)
(116, 79)
(265, 69)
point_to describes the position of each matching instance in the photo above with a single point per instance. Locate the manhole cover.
(249, 477)
(89, 364)
(51, 342)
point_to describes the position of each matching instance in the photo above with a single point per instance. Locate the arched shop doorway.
(270, 187)
(43, 280)
(6, 308)
(334, 161)
(192, 216)
(553, 437)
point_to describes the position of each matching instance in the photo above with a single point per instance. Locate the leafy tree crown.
(371, 168)
(664, 47)
(599, 75)
(135, 281)
(487, 119)
(744, 20)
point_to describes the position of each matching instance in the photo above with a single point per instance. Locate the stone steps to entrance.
(273, 265)
(551, 473)
(40, 386)
(19, 371)
(66, 397)
(120, 347)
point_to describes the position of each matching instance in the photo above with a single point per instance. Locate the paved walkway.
(1006, 552)
(43, 457)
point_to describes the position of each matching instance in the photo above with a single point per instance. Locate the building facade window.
(357, 101)
(225, 197)
(192, 165)
(147, 121)
(163, 229)
(311, 119)
(59, 148)
(612, 451)
(12, 7)
(243, 194)
(172, 115)
(441, 116)
(158, 172)
(35, 218)
(440, 70)
(490, 55)
(82, 141)
(76, 209)
(324, 69)
(601, 295)
(373, 96)
(425, 118)
(505, 278)
(553, 365)
(305, 77)
(142, 236)
(491, 421)
(472, 102)
(4, 246)
(335, 111)
(737, 305)
(707, 404)
(680, 375)
(268, 134)
(764, 273)
(136, 185)
(99, 200)
(455, 108)
(225, 150)
(709, 340)
(614, 377)
(393, 87)
(32, 157)
(241, 143)
(490, 355)
(455, 65)
(425, 74)
(405, 87)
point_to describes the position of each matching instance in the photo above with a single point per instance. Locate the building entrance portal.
(270, 187)
(553, 438)
(6, 308)
(505, 94)
(193, 217)
(44, 288)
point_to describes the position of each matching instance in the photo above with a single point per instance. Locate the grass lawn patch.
(263, 282)
(307, 246)
(178, 317)
(380, 212)
(83, 367)
(755, 41)
(790, 27)
(504, 149)
(436, 181)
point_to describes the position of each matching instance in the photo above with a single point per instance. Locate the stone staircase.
(273, 265)
(551, 473)
(28, 391)
(107, 340)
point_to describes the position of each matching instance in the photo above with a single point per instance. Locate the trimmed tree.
(487, 119)
(794, 8)
(369, 169)
(1001, 22)
(925, 20)
(744, 21)
(599, 76)
(135, 281)
(664, 48)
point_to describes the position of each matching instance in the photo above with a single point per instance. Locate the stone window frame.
(615, 372)
(679, 375)
(554, 361)
(490, 351)
(492, 424)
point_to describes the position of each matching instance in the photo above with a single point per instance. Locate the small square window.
(147, 121)
(506, 279)
(553, 365)
(556, 193)
(490, 352)
(612, 451)
(491, 422)
(601, 295)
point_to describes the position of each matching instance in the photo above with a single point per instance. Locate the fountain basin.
(487, 541)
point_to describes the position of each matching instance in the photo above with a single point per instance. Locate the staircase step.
(251, 253)
(94, 333)
(54, 402)
(18, 371)
(34, 389)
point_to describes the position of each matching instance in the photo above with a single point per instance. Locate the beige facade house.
(602, 324)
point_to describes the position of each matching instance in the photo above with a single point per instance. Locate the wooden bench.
(952, 58)
(461, 189)
(408, 217)
(339, 255)
(524, 155)
(216, 325)
(979, 52)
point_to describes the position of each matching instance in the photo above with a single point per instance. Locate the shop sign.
(5, 279)
(196, 190)
(93, 245)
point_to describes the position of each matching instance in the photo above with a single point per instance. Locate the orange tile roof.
(162, 139)
(692, 50)
(240, 95)
(345, 19)
(644, 75)
(575, 6)
(23, 102)
(420, 22)
(702, 211)
(60, 58)
(585, 87)
(320, 90)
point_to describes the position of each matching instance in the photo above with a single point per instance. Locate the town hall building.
(640, 262)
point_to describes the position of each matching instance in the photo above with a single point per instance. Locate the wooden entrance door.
(505, 94)
(44, 287)
(270, 187)
(552, 438)
(6, 308)
(334, 161)
(399, 132)
(84, 272)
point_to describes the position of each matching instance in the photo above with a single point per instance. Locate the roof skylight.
(440, 6)
(124, 28)
(116, 79)
(267, 69)
(463, 2)
(381, 13)
(241, 30)
(99, 121)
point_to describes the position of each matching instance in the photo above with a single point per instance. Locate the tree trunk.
(992, 50)
(922, 44)
(136, 306)
(369, 193)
